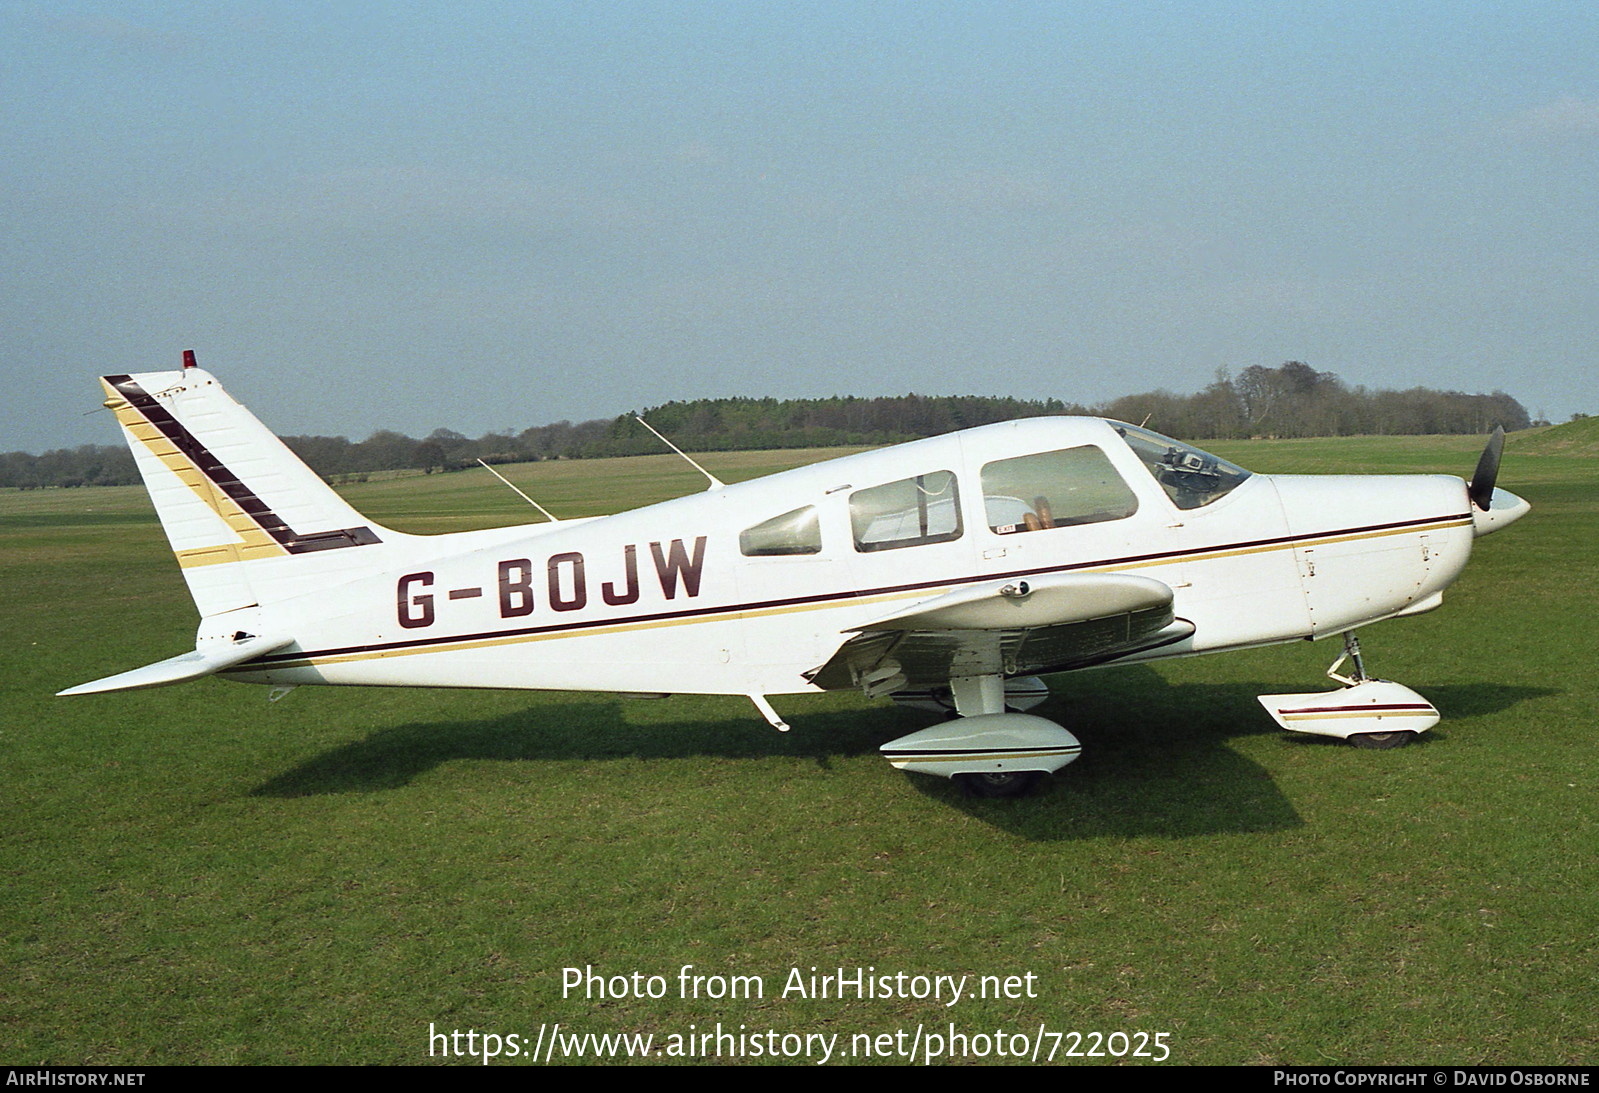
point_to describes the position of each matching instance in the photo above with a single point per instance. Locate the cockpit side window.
(1191, 478)
(797, 532)
(910, 512)
(1053, 490)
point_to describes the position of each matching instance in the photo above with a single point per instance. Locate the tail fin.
(241, 511)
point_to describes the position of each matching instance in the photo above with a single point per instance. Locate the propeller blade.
(1481, 489)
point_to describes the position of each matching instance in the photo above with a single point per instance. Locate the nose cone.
(1504, 509)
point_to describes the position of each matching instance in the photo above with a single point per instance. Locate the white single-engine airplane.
(950, 571)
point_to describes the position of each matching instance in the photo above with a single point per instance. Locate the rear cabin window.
(797, 532)
(910, 512)
(1054, 490)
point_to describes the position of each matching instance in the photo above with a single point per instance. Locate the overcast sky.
(489, 215)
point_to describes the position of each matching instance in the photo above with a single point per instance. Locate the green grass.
(191, 874)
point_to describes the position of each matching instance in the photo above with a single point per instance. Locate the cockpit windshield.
(1191, 478)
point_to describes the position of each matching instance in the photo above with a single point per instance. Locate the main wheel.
(1382, 741)
(998, 783)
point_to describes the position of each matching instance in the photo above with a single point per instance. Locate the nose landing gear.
(1366, 712)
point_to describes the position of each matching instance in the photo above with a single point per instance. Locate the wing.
(1047, 624)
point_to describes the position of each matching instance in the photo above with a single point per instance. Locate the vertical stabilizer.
(248, 521)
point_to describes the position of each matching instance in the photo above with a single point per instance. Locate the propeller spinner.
(1506, 507)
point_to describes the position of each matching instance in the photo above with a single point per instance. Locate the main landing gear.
(999, 783)
(1368, 713)
(985, 750)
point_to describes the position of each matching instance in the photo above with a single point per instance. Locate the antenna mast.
(716, 483)
(519, 493)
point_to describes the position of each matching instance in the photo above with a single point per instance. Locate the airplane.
(950, 573)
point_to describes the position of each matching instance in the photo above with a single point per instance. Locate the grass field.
(193, 875)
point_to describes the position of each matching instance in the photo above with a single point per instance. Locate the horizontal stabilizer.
(207, 660)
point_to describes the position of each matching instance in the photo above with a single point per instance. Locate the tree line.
(1295, 400)
(1292, 400)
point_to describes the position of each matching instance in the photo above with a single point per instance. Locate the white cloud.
(1569, 115)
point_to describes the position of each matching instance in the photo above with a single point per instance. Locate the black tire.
(1382, 741)
(998, 783)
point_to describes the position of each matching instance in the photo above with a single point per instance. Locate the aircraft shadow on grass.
(1156, 759)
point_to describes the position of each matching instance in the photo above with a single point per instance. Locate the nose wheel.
(1375, 714)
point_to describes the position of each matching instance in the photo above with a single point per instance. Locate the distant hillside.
(1580, 437)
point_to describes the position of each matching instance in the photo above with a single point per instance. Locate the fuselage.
(746, 588)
